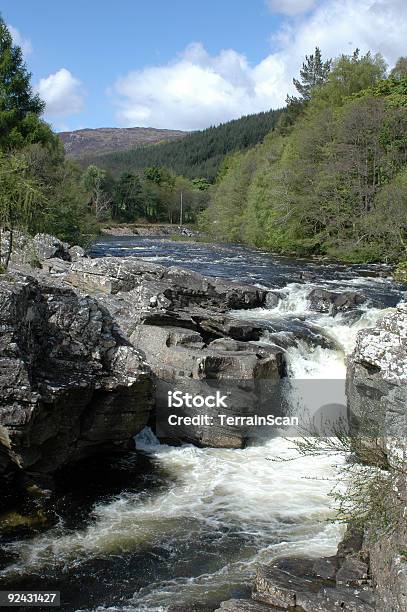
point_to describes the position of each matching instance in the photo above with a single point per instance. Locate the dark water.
(185, 525)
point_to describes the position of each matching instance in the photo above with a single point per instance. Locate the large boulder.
(33, 250)
(332, 302)
(69, 385)
(182, 362)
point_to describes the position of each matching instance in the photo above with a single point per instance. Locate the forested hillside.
(332, 178)
(197, 155)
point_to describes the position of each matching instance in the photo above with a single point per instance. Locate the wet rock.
(248, 372)
(351, 543)
(330, 599)
(244, 605)
(278, 587)
(272, 299)
(326, 567)
(219, 327)
(353, 572)
(332, 302)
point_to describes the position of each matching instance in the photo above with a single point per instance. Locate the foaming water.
(216, 513)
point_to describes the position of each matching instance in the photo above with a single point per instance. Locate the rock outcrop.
(377, 401)
(76, 336)
(69, 385)
(28, 250)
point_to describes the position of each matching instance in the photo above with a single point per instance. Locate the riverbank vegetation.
(331, 179)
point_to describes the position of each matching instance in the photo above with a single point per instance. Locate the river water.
(186, 525)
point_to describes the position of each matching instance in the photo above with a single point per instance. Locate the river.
(186, 525)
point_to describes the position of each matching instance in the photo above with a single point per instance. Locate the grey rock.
(33, 250)
(354, 600)
(272, 299)
(353, 572)
(69, 386)
(221, 326)
(326, 567)
(244, 605)
(330, 599)
(47, 247)
(181, 362)
(377, 405)
(332, 302)
(76, 252)
(278, 587)
(156, 286)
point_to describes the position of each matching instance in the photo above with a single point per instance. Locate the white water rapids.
(225, 510)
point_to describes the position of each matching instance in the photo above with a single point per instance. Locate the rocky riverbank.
(144, 229)
(84, 342)
(86, 345)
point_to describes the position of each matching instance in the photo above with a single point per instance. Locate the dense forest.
(198, 155)
(331, 179)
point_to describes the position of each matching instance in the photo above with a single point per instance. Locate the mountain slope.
(103, 140)
(198, 154)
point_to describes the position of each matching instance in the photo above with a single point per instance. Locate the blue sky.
(184, 63)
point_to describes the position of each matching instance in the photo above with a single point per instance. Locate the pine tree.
(314, 72)
(20, 108)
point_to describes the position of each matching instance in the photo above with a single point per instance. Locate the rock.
(244, 605)
(112, 274)
(377, 401)
(272, 299)
(351, 543)
(248, 372)
(33, 251)
(69, 386)
(353, 572)
(48, 247)
(278, 587)
(332, 302)
(155, 286)
(221, 326)
(354, 600)
(326, 567)
(76, 252)
(330, 599)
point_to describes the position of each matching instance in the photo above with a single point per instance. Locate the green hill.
(196, 155)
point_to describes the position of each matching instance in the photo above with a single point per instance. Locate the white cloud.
(62, 92)
(197, 89)
(290, 7)
(19, 40)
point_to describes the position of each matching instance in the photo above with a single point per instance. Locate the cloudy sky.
(186, 64)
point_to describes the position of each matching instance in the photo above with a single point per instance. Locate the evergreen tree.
(314, 72)
(127, 197)
(20, 108)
